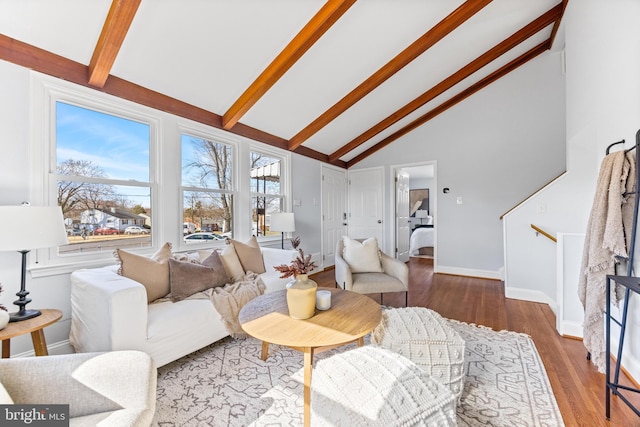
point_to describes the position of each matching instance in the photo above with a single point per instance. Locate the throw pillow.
(362, 257)
(188, 278)
(5, 399)
(152, 273)
(232, 263)
(249, 255)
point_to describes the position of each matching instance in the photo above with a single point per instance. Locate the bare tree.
(213, 165)
(75, 194)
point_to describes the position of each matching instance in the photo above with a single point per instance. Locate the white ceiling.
(207, 52)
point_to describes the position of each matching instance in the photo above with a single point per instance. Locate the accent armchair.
(107, 389)
(391, 276)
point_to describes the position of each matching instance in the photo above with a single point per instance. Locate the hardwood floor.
(577, 385)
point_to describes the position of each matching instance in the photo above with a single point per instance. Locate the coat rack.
(631, 284)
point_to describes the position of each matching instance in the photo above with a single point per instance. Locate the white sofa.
(110, 312)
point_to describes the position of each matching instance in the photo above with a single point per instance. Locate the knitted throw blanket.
(606, 242)
(230, 298)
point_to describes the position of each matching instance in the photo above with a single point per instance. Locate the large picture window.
(103, 179)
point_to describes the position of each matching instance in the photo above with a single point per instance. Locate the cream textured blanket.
(606, 242)
(230, 298)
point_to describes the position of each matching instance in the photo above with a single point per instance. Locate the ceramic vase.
(4, 319)
(301, 297)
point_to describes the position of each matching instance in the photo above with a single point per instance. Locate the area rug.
(226, 384)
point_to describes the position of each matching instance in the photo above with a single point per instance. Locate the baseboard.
(60, 347)
(469, 272)
(530, 295)
(570, 329)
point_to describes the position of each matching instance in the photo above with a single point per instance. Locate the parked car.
(201, 237)
(105, 231)
(134, 229)
(74, 232)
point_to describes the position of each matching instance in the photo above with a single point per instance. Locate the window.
(266, 191)
(103, 178)
(207, 186)
(102, 160)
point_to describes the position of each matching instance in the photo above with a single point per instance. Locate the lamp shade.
(283, 222)
(31, 227)
(422, 213)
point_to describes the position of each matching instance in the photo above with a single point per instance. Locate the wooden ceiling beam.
(42, 61)
(556, 26)
(303, 41)
(114, 31)
(515, 39)
(417, 48)
(501, 72)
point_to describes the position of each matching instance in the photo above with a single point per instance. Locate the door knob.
(379, 221)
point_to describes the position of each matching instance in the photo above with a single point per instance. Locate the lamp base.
(21, 315)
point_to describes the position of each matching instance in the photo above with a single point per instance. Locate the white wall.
(306, 185)
(493, 150)
(603, 99)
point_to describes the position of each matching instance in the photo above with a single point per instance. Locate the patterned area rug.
(226, 384)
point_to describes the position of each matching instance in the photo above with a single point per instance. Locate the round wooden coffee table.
(349, 319)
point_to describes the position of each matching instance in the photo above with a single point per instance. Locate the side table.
(34, 326)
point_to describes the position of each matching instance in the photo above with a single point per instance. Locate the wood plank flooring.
(579, 388)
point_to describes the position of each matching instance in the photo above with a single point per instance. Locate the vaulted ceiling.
(335, 80)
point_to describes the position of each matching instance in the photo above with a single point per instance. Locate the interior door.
(366, 190)
(334, 211)
(403, 222)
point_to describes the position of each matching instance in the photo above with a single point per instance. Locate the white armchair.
(394, 276)
(106, 389)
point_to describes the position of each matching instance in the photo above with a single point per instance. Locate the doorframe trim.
(322, 203)
(393, 169)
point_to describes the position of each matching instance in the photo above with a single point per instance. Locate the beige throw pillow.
(188, 278)
(152, 273)
(362, 257)
(249, 255)
(232, 263)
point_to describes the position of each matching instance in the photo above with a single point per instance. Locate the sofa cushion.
(187, 278)
(362, 257)
(249, 255)
(152, 272)
(232, 263)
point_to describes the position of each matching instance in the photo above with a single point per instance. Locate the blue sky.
(119, 146)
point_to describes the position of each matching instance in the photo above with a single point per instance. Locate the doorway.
(422, 230)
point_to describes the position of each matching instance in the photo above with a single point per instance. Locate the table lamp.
(23, 228)
(283, 222)
(422, 214)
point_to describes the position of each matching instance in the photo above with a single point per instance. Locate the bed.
(421, 242)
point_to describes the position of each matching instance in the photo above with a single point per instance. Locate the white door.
(366, 210)
(334, 211)
(403, 222)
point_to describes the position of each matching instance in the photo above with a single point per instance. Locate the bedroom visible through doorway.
(422, 210)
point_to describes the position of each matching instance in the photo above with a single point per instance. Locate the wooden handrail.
(544, 233)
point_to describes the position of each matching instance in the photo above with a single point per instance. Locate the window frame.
(284, 193)
(46, 92)
(200, 131)
(165, 165)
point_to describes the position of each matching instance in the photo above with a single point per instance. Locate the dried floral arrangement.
(301, 265)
